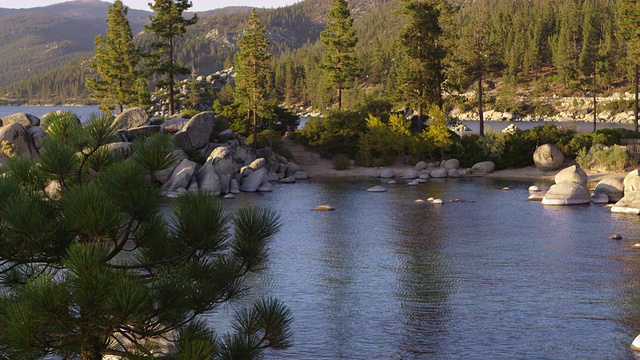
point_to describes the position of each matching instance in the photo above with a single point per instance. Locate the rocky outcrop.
(570, 188)
(548, 157)
(612, 187)
(199, 129)
(630, 202)
(483, 168)
(131, 118)
(26, 120)
(15, 140)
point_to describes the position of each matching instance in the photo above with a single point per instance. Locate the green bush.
(614, 158)
(618, 106)
(341, 162)
(188, 113)
(336, 133)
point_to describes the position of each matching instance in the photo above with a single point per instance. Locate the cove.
(493, 276)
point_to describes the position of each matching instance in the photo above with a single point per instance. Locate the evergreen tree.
(253, 69)
(629, 30)
(97, 267)
(168, 24)
(421, 69)
(339, 39)
(114, 82)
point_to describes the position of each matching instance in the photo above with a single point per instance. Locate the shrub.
(341, 162)
(600, 159)
(188, 113)
(336, 133)
(618, 106)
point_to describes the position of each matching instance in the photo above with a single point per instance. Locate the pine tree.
(629, 30)
(253, 68)
(115, 63)
(339, 62)
(421, 70)
(168, 24)
(98, 268)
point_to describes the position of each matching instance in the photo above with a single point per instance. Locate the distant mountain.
(36, 43)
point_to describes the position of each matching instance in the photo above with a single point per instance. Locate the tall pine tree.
(168, 24)
(114, 82)
(629, 30)
(339, 63)
(252, 70)
(421, 70)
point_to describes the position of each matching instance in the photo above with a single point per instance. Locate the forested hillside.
(536, 48)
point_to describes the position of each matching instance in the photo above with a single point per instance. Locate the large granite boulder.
(199, 129)
(567, 193)
(421, 165)
(612, 186)
(483, 168)
(163, 175)
(631, 182)
(440, 173)
(181, 176)
(572, 174)
(222, 160)
(18, 142)
(142, 131)
(387, 173)
(629, 204)
(548, 157)
(24, 119)
(292, 168)
(37, 135)
(130, 118)
(208, 179)
(182, 141)
(451, 164)
(252, 182)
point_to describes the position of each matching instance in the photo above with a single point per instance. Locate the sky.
(198, 5)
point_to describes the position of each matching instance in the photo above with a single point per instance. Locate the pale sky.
(198, 5)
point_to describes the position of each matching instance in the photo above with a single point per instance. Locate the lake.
(83, 112)
(493, 276)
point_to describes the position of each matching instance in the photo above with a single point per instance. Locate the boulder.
(164, 175)
(123, 148)
(629, 204)
(572, 174)
(387, 173)
(288, 180)
(266, 186)
(440, 173)
(182, 141)
(292, 168)
(483, 168)
(234, 188)
(37, 136)
(181, 175)
(411, 174)
(18, 142)
(225, 182)
(612, 186)
(567, 193)
(258, 164)
(300, 175)
(451, 164)
(199, 129)
(172, 126)
(548, 157)
(631, 182)
(222, 160)
(241, 155)
(24, 119)
(421, 165)
(272, 176)
(208, 179)
(142, 131)
(600, 199)
(453, 173)
(131, 118)
(48, 115)
(253, 181)
(377, 189)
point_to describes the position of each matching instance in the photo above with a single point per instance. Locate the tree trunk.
(339, 99)
(595, 112)
(171, 76)
(480, 114)
(255, 131)
(419, 119)
(635, 119)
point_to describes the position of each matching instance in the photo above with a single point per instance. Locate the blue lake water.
(83, 112)
(491, 277)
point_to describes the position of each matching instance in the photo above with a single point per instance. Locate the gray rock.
(222, 160)
(253, 181)
(629, 204)
(37, 136)
(288, 180)
(411, 174)
(272, 176)
(548, 157)
(24, 119)
(258, 164)
(199, 129)
(130, 118)
(234, 188)
(600, 199)
(208, 179)
(483, 168)
(182, 141)
(123, 148)
(454, 173)
(611, 186)
(181, 175)
(142, 131)
(229, 196)
(300, 175)
(567, 193)
(571, 174)
(451, 164)
(20, 140)
(266, 186)
(421, 165)
(631, 182)
(292, 168)
(387, 173)
(440, 173)
(172, 126)
(226, 135)
(225, 182)
(377, 189)
(241, 155)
